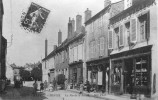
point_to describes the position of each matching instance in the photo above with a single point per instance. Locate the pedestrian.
(88, 86)
(81, 88)
(45, 85)
(66, 84)
(35, 85)
(41, 86)
(54, 84)
(50, 86)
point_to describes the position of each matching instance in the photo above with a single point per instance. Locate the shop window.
(75, 75)
(144, 26)
(141, 74)
(94, 76)
(116, 76)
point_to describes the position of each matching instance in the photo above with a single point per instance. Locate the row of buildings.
(115, 50)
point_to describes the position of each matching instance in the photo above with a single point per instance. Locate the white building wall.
(44, 71)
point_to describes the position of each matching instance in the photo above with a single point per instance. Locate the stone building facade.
(133, 49)
(97, 54)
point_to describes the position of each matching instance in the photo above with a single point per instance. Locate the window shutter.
(148, 26)
(110, 40)
(121, 39)
(98, 47)
(101, 46)
(133, 35)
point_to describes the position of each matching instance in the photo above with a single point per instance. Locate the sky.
(28, 47)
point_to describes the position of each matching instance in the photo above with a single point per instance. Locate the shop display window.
(94, 76)
(141, 72)
(116, 76)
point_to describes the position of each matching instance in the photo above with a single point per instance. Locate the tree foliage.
(25, 74)
(36, 72)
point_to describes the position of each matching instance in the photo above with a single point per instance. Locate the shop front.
(98, 74)
(76, 73)
(131, 71)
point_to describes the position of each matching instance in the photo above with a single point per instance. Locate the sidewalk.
(111, 96)
(103, 95)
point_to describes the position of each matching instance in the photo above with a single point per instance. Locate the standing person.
(81, 88)
(45, 85)
(66, 84)
(41, 86)
(88, 86)
(35, 85)
(55, 84)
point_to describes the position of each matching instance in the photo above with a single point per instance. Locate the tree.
(36, 72)
(25, 74)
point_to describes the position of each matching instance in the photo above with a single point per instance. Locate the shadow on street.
(23, 93)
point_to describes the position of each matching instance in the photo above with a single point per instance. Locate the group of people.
(86, 86)
(44, 86)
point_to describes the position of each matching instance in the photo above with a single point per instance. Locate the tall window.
(127, 32)
(133, 35)
(80, 52)
(91, 50)
(116, 30)
(101, 46)
(94, 48)
(110, 40)
(121, 36)
(144, 27)
(98, 46)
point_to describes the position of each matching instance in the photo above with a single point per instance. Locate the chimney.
(78, 23)
(106, 3)
(73, 25)
(59, 37)
(46, 47)
(69, 28)
(87, 14)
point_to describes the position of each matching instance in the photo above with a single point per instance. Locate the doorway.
(128, 76)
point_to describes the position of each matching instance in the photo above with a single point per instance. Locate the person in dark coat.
(88, 86)
(41, 86)
(54, 84)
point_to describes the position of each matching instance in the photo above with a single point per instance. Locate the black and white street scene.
(78, 49)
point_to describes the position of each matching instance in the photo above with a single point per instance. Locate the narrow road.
(25, 93)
